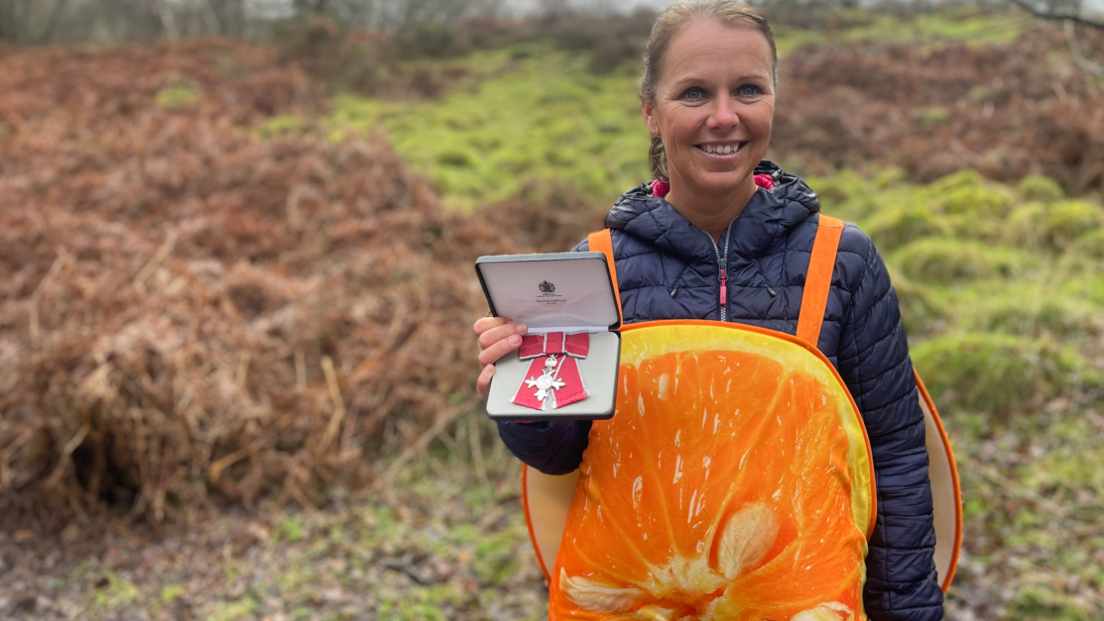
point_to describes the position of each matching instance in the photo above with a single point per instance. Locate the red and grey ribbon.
(553, 379)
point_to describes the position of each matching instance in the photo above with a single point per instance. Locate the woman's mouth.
(728, 148)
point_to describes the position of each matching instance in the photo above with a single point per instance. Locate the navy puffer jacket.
(669, 269)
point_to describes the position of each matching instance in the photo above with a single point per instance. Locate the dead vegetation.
(188, 311)
(191, 312)
(1006, 111)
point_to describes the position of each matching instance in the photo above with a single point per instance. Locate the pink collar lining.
(660, 188)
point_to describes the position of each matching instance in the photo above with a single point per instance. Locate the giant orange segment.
(733, 482)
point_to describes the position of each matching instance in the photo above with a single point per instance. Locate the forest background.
(236, 286)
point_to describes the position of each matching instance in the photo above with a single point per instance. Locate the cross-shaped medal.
(547, 381)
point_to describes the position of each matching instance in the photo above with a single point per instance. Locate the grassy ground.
(514, 120)
(1001, 297)
(446, 540)
(1001, 288)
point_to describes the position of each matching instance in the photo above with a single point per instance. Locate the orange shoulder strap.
(819, 279)
(599, 241)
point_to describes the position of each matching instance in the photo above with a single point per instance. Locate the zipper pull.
(724, 285)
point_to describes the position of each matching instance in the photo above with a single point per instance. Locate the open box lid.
(553, 292)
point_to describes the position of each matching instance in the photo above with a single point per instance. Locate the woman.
(722, 235)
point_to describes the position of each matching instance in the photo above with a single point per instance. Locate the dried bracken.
(188, 310)
(1006, 111)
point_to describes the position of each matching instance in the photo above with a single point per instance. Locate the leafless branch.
(1079, 57)
(1057, 15)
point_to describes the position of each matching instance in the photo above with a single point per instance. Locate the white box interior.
(561, 292)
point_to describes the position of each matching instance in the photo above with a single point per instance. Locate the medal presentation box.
(567, 365)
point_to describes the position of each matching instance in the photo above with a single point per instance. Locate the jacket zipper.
(722, 263)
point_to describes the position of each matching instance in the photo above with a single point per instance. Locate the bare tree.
(1072, 13)
(38, 22)
(28, 22)
(1062, 10)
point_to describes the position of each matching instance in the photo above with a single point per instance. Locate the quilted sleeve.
(874, 362)
(551, 447)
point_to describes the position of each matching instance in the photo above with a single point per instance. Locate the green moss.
(231, 611)
(118, 593)
(171, 593)
(899, 223)
(1090, 245)
(996, 373)
(177, 96)
(1039, 313)
(930, 117)
(1088, 286)
(1067, 221)
(1023, 225)
(846, 195)
(921, 308)
(540, 119)
(283, 125)
(932, 28)
(947, 260)
(965, 178)
(496, 560)
(966, 24)
(1039, 188)
(1054, 226)
(291, 528)
(987, 200)
(429, 603)
(1042, 601)
(891, 177)
(1059, 474)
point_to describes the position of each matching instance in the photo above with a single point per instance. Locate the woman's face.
(714, 108)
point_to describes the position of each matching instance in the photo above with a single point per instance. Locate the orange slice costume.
(734, 480)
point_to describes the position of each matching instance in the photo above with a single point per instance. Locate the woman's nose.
(723, 115)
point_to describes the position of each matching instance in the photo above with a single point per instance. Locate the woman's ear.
(648, 110)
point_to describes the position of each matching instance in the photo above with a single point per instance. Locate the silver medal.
(547, 382)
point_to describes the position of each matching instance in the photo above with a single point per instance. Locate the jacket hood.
(765, 221)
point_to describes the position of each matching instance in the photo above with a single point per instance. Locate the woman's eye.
(693, 94)
(748, 90)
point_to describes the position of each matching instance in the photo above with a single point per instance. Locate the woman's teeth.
(721, 149)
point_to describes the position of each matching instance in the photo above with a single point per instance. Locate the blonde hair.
(669, 24)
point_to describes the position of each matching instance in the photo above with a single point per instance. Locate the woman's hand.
(498, 336)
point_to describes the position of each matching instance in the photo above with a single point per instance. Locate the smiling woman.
(766, 458)
(712, 120)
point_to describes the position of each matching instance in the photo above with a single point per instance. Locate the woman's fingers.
(498, 336)
(483, 384)
(500, 333)
(486, 323)
(498, 349)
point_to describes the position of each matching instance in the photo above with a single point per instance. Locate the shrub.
(1039, 188)
(1054, 226)
(845, 195)
(996, 373)
(1049, 314)
(921, 309)
(966, 191)
(1069, 220)
(939, 260)
(983, 200)
(901, 223)
(431, 40)
(612, 40)
(1090, 245)
(1023, 225)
